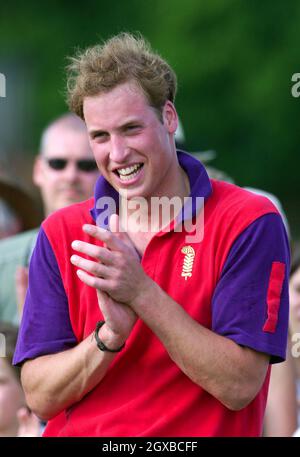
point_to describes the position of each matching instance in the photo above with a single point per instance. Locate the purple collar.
(199, 183)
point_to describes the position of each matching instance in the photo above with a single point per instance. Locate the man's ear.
(37, 173)
(170, 118)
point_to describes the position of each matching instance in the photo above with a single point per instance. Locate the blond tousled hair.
(123, 58)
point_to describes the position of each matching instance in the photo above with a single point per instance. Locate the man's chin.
(70, 200)
(75, 199)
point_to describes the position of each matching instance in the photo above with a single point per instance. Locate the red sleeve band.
(273, 296)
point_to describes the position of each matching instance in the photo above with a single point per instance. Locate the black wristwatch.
(100, 343)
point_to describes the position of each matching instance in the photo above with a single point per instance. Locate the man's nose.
(71, 171)
(118, 149)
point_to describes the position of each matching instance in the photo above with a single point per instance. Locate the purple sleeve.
(239, 305)
(45, 326)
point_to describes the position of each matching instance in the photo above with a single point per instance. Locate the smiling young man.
(144, 330)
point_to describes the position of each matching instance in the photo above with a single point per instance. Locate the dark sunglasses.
(86, 165)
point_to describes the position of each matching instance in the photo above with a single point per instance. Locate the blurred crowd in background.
(235, 62)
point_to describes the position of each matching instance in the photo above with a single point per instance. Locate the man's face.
(133, 148)
(62, 187)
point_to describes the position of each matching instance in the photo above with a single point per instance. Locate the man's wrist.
(142, 298)
(107, 340)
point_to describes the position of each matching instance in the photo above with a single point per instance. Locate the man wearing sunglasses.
(65, 172)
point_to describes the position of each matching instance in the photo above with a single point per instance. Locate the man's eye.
(132, 127)
(99, 135)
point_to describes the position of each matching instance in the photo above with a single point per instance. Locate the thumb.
(114, 223)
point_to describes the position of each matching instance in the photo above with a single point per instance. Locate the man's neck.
(152, 214)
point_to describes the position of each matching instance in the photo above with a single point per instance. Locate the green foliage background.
(234, 60)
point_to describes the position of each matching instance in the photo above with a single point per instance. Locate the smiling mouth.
(128, 173)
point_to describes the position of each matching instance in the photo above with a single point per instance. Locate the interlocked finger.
(95, 268)
(98, 252)
(93, 281)
(110, 239)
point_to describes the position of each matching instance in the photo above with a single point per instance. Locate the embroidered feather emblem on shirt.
(188, 261)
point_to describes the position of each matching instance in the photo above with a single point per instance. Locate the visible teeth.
(128, 177)
(129, 170)
(128, 173)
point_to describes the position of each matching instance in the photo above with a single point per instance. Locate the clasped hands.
(116, 274)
